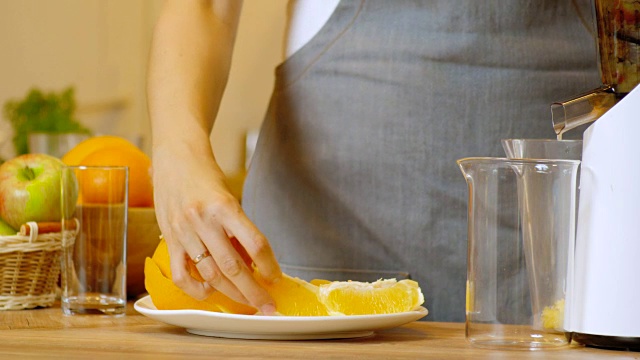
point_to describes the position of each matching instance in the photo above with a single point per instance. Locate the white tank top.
(306, 18)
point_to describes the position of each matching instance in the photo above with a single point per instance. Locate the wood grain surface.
(48, 334)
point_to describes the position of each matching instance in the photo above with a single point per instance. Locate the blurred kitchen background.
(100, 48)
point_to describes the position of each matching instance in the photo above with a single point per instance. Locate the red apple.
(30, 189)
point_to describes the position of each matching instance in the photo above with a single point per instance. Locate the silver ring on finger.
(201, 257)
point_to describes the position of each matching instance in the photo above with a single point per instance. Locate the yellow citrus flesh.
(553, 316)
(293, 296)
(380, 297)
(318, 282)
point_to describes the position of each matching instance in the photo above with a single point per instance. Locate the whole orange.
(101, 185)
(140, 184)
(75, 156)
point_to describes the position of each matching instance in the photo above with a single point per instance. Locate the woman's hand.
(197, 214)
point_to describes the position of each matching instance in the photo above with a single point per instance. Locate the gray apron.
(354, 175)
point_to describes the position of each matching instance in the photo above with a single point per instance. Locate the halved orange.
(167, 296)
(293, 296)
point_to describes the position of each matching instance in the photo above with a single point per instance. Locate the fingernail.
(268, 309)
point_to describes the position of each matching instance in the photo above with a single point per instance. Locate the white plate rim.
(210, 323)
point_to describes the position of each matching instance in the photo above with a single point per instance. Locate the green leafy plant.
(42, 112)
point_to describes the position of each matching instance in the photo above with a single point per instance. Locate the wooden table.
(48, 334)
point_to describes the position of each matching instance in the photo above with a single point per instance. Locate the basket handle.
(77, 225)
(33, 234)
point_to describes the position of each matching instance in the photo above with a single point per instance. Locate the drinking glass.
(94, 217)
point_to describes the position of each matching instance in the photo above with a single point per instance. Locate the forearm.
(189, 67)
(188, 70)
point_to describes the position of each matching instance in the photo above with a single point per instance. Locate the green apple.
(5, 229)
(30, 189)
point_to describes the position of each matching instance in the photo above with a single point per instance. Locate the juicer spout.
(583, 109)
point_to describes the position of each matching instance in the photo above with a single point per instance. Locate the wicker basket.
(30, 266)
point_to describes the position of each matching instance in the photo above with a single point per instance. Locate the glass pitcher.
(521, 216)
(618, 25)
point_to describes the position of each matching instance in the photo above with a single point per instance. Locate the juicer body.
(603, 287)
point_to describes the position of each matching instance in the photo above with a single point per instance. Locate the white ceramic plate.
(276, 327)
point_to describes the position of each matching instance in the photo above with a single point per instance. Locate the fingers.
(256, 245)
(229, 261)
(180, 272)
(208, 269)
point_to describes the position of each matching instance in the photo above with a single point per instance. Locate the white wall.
(101, 46)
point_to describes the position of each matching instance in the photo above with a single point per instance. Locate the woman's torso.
(355, 165)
